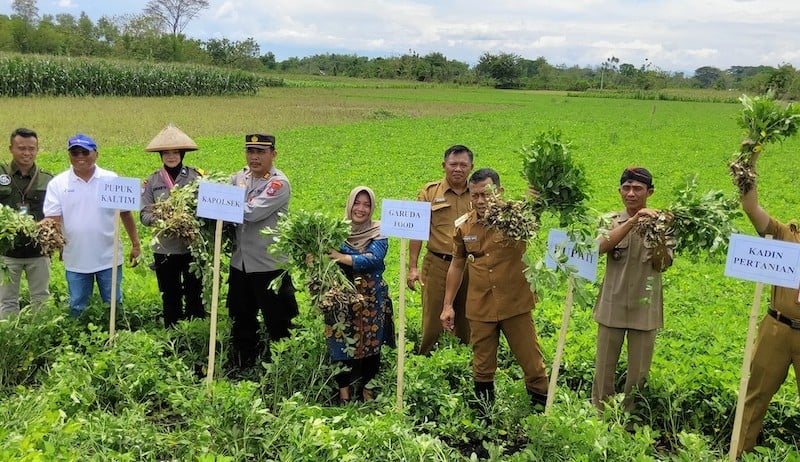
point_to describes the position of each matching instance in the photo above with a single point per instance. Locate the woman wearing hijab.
(171, 254)
(359, 332)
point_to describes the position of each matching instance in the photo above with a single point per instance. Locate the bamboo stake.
(562, 338)
(401, 324)
(212, 335)
(112, 322)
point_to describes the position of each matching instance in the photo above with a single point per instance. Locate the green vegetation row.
(33, 75)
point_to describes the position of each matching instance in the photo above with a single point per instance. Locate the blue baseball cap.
(82, 141)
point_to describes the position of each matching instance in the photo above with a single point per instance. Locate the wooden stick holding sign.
(406, 220)
(558, 244)
(764, 261)
(222, 203)
(119, 194)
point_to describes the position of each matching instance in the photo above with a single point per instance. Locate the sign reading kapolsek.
(220, 202)
(119, 193)
(586, 263)
(764, 260)
(405, 219)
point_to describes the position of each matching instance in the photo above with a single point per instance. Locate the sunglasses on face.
(79, 152)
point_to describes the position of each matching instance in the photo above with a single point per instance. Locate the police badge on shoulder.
(5, 180)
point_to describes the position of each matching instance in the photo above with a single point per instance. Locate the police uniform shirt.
(157, 188)
(631, 294)
(446, 206)
(784, 299)
(497, 287)
(266, 197)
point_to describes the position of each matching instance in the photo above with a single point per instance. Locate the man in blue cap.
(88, 228)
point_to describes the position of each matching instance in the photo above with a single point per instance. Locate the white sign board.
(406, 219)
(119, 193)
(764, 260)
(586, 263)
(220, 202)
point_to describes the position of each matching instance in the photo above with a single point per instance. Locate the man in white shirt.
(88, 229)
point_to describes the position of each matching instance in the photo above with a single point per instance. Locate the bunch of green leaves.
(15, 228)
(764, 120)
(696, 224)
(561, 185)
(176, 216)
(307, 239)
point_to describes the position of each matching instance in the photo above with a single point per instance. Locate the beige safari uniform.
(777, 347)
(446, 207)
(499, 299)
(630, 303)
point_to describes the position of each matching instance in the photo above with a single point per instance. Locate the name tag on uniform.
(439, 199)
(460, 220)
(470, 238)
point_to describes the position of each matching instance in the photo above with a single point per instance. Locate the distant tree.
(781, 79)
(504, 68)
(239, 54)
(608, 66)
(268, 60)
(26, 10)
(175, 15)
(707, 76)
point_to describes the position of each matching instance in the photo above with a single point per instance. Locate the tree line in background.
(156, 35)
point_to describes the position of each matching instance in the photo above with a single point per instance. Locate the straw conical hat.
(171, 138)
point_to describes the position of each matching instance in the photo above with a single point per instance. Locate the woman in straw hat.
(171, 253)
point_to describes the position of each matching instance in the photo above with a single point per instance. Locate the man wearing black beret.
(630, 302)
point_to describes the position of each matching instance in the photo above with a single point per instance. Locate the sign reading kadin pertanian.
(405, 219)
(119, 193)
(764, 260)
(586, 263)
(220, 202)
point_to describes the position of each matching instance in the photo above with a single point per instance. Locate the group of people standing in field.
(471, 278)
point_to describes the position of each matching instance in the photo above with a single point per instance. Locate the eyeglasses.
(79, 152)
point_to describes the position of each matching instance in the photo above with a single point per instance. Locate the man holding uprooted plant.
(22, 187)
(778, 343)
(499, 297)
(449, 199)
(630, 302)
(253, 268)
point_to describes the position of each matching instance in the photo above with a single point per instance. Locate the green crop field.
(66, 395)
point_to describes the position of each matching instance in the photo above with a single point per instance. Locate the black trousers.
(249, 294)
(361, 371)
(177, 284)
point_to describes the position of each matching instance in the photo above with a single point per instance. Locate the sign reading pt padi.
(764, 260)
(220, 202)
(405, 219)
(586, 263)
(119, 193)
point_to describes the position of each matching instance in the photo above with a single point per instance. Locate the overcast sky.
(674, 35)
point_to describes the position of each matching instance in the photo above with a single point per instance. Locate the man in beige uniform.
(449, 200)
(499, 298)
(630, 300)
(778, 343)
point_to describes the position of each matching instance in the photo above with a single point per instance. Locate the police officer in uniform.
(499, 298)
(22, 187)
(253, 267)
(449, 199)
(171, 255)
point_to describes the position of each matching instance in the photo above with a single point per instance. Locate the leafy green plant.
(765, 121)
(695, 224)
